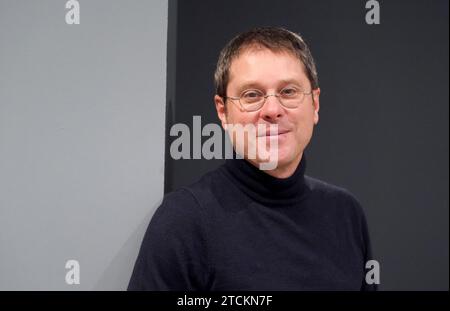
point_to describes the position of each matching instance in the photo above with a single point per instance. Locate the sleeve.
(173, 254)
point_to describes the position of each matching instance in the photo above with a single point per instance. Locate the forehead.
(267, 67)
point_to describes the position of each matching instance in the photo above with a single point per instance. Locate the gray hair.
(273, 38)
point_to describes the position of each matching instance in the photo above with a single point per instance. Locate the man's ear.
(316, 104)
(221, 110)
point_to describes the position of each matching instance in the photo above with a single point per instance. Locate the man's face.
(270, 72)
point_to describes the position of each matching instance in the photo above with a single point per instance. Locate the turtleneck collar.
(264, 188)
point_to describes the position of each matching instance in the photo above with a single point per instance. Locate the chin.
(287, 157)
(283, 156)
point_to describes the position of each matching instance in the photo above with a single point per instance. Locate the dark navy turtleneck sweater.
(238, 228)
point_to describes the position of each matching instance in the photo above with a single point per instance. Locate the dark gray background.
(383, 130)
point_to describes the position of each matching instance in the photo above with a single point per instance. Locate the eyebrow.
(257, 85)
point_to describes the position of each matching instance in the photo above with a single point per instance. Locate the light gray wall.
(82, 114)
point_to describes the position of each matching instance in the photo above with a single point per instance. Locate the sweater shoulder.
(189, 199)
(330, 192)
(177, 207)
(203, 186)
(320, 186)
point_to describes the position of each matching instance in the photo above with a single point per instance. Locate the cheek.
(235, 116)
(304, 126)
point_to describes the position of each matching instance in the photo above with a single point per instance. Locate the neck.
(264, 187)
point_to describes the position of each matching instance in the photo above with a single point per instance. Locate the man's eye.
(251, 94)
(289, 92)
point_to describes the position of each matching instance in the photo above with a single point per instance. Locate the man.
(243, 228)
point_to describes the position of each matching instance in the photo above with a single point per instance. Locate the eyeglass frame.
(265, 99)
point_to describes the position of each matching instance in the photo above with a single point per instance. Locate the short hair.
(275, 39)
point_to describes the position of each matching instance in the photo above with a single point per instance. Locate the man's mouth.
(276, 132)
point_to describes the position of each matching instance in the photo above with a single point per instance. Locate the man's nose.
(272, 109)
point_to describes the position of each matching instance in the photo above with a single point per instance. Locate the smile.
(277, 133)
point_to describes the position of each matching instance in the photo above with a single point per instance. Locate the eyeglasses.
(252, 100)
